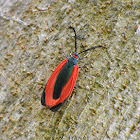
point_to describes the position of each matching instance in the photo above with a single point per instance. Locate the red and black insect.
(62, 81)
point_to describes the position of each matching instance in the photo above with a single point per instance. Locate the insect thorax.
(72, 61)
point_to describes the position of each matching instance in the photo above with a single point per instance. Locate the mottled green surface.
(104, 106)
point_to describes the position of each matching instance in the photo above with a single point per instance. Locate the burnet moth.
(62, 81)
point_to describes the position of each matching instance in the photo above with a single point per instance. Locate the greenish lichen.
(33, 36)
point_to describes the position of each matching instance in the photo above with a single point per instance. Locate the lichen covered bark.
(33, 36)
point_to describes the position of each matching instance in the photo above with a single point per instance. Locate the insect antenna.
(91, 49)
(75, 38)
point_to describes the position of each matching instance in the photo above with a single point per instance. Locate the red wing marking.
(49, 101)
(69, 86)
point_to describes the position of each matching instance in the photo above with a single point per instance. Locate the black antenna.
(75, 39)
(91, 49)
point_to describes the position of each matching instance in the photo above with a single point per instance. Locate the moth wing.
(67, 89)
(47, 95)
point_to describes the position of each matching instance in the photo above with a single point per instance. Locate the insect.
(62, 80)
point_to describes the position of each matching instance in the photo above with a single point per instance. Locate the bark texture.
(33, 36)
